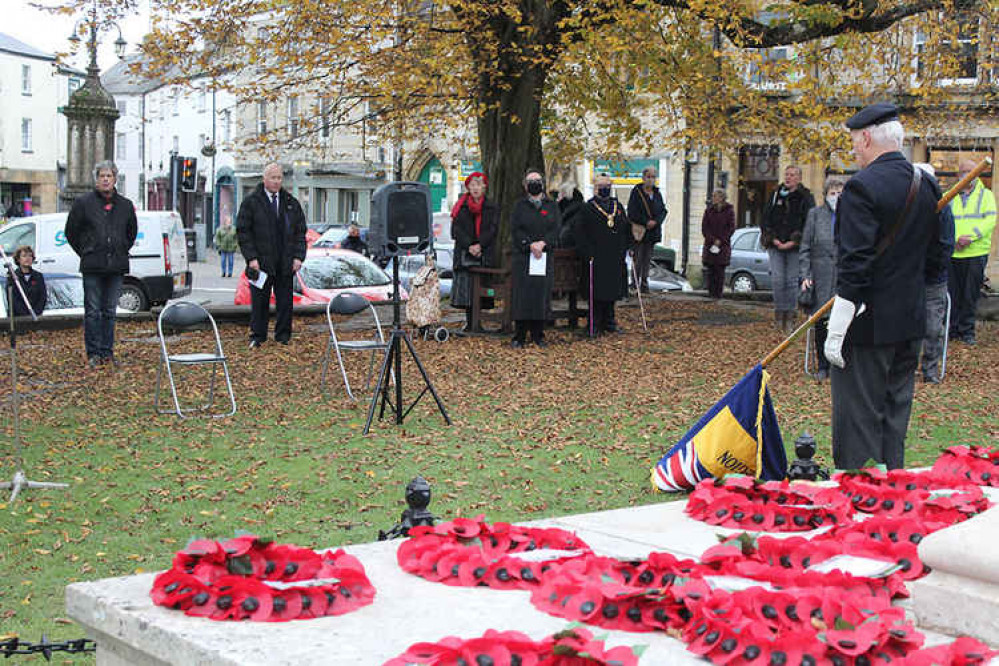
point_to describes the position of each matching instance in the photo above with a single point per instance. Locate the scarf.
(475, 208)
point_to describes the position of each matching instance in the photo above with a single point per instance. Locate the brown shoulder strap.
(889, 238)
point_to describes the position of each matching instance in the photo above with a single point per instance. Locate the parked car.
(158, 261)
(328, 272)
(410, 264)
(749, 269)
(664, 256)
(335, 235)
(661, 279)
(64, 295)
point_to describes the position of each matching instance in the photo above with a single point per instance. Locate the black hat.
(875, 114)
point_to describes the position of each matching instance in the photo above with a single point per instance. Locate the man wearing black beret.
(887, 237)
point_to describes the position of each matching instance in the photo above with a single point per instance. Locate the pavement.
(209, 287)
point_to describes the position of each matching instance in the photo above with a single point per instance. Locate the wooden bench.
(497, 283)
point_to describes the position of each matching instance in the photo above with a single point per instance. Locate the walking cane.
(811, 321)
(638, 290)
(590, 303)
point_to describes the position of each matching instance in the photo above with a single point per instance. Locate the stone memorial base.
(119, 614)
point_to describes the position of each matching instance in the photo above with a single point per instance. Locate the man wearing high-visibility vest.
(974, 219)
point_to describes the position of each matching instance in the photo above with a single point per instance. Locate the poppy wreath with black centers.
(249, 578)
(912, 494)
(977, 464)
(631, 596)
(964, 651)
(470, 552)
(766, 506)
(512, 648)
(798, 626)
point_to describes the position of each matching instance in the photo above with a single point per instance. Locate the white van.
(158, 261)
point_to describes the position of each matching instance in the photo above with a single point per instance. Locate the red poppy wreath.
(470, 552)
(249, 578)
(572, 647)
(978, 464)
(771, 506)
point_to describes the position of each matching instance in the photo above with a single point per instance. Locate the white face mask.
(832, 199)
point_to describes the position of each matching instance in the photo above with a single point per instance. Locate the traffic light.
(188, 174)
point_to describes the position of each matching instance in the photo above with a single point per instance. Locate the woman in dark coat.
(474, 223)
(570, 202)
(603, 234)
(717, 227)
(534, 223)
(817, 262)
(31, 281)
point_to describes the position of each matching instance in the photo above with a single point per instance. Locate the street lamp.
(92, 23)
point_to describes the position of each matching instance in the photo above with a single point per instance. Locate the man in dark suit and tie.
(271, 231)
(878, 319)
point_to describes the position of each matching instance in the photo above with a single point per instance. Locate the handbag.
(637, 232)
(806, 297)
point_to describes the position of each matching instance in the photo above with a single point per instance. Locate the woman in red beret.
(474, 224)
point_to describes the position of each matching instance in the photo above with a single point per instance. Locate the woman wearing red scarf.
(474, 223)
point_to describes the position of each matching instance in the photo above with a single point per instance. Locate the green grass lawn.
(570, 429)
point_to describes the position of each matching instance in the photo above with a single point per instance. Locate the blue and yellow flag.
(738, 435)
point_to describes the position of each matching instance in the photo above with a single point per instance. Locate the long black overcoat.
(531, 295)
(606, 245)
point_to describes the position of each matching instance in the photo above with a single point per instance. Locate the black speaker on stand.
(401, 222)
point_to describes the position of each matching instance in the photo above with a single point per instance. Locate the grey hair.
(566, 189)
(650, 169)
(106, 165)
(723, 193)
(833, 181)
(890, 133)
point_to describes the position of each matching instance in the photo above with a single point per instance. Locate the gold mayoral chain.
(611, 215)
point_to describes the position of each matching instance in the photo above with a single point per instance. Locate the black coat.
(638, 214)
(891, 285)
(463, 233)
(34, 289)
(570, 208)
(273, 243)
(784, 216)
(101, 232)
(606, 245)
(531, 295)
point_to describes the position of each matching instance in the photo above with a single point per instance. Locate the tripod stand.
(20, 480)
(393, 361)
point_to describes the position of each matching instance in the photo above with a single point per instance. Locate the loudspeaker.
(401, 219)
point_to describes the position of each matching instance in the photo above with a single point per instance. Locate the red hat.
(476, 174)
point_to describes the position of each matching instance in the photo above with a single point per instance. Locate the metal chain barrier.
(15, 646)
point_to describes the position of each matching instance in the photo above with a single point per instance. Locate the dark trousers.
(716, 279)
(100, 302)
(260, 314)
(964, 281)
(936, 316)
(603, 316)
(871, 401)
(642, 259)
(535, 326)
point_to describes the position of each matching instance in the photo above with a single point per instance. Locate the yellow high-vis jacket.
(975, 217)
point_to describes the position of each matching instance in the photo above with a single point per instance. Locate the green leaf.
(842, 625)
(240, 566)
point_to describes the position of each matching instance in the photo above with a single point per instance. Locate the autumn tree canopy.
(572, 77)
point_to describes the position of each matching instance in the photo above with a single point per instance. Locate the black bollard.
(418, 499)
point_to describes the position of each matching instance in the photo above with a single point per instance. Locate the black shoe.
(282, 342)
(541, 344)
(968, 340)
(645, 289)
(822, 374)
(517, 344)
(254, 344)
(931, 379)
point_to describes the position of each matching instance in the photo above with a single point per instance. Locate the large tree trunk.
(510, 143)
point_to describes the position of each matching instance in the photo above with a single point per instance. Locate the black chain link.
(14, 646)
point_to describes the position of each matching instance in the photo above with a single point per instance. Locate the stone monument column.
(91, 115)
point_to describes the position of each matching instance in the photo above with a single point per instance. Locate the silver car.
(749, 269)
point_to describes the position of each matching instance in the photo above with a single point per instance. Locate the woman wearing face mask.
(534, 224)
(604, 235)
(817, 260)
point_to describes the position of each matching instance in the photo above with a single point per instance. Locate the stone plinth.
(961, 595)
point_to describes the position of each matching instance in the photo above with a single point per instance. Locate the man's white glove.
(840, 319)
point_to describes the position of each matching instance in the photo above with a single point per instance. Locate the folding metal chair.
(182, 315)
(346, 305)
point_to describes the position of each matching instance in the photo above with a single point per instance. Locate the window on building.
(25, 79)
(122, 106)
(324, 114)
(74, 84)
(964, 48)
(175, 102)
(261, 117)
(25, 135)
(293, 116)
(227, 125)
(121, 146)
(202, 96)
(176, 144)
